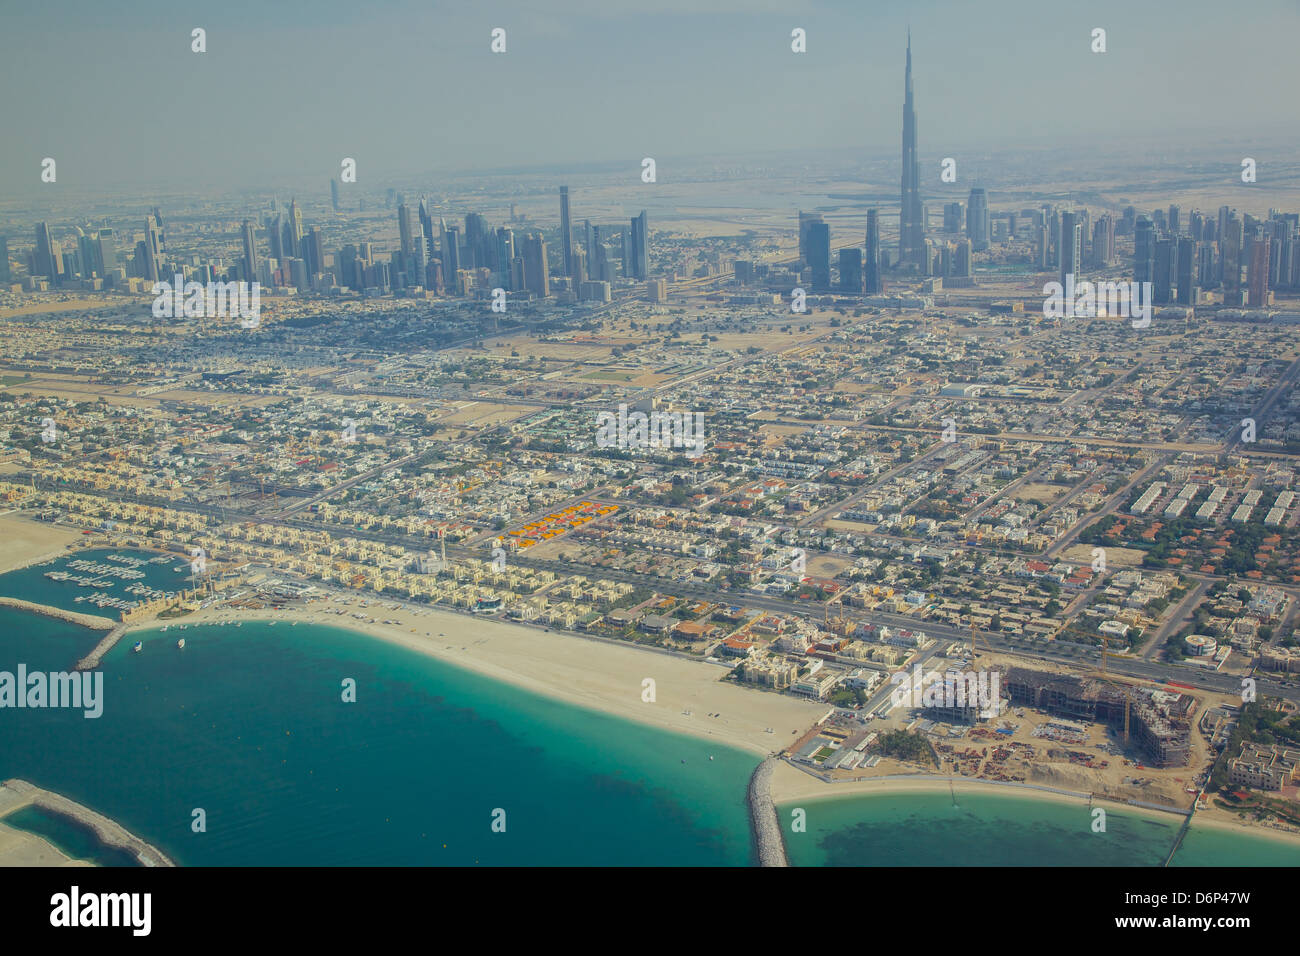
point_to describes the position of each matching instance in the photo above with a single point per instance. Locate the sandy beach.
(589, 673)
(20, 848)
(24, 542)
(790, 784)
(607, 677)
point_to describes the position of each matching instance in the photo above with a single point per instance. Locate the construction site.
(1157, 721)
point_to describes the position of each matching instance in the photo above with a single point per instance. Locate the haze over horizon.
(406, 89)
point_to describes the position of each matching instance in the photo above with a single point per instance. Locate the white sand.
(592, 673)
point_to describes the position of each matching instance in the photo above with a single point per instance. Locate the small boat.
(181, 645)
(683, 760)
(710, 756)
(139, 646)
(164, 628)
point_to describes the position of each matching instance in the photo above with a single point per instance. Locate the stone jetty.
(16, 794)
(764, 824)
(93, 621)
(91, 660)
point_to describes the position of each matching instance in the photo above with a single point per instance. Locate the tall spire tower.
(911, 230)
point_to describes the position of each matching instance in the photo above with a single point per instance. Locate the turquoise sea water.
(997, 829)
(249, 725)
(75, 840)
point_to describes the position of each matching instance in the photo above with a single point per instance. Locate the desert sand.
(24, 542)
(20, 848)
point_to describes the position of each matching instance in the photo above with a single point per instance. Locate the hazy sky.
(113, 92)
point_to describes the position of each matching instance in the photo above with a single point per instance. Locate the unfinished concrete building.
(1158, 720)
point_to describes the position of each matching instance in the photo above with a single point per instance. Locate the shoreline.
(790, 784)
(17, 794)
(600, 676)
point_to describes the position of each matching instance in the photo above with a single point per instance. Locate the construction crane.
(838, 599)
(1122, 688)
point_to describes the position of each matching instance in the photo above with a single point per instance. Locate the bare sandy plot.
(20, 848)
(484, 414)
(23, 541)
(1044, 494)
(1123, 557)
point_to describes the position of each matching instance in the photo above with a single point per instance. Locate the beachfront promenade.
(93, 621)
(763, 821)
(16, 794)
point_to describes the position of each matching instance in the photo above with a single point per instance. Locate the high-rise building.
(451, 256)
(977, 219)
(107, 253)
(1162, 281)
(911, 225)
(404, 234)
(250, 252)
(1175, 220)
(1206, 277)
(295, 228)
(579, 266)
(155, 246)
(1042, 246)
(275, 237)
(1103, 242)
(806, 221)
(1230, 252)
(1257, 270)
(334, 194)
(43, 255)
(566, 232)
(5, 274)
(1187, 263)
(476, 234)
(851, 270)
(601, 268)
(1127, 222)
(962, 267)
(1144, 250)
(952, 217)
(505, 239)
(819, 256)
(871, 261)
(426, 228)
(536, 269)
(86, 251)
(1071, 246)
(640, 247)
(313, 252)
